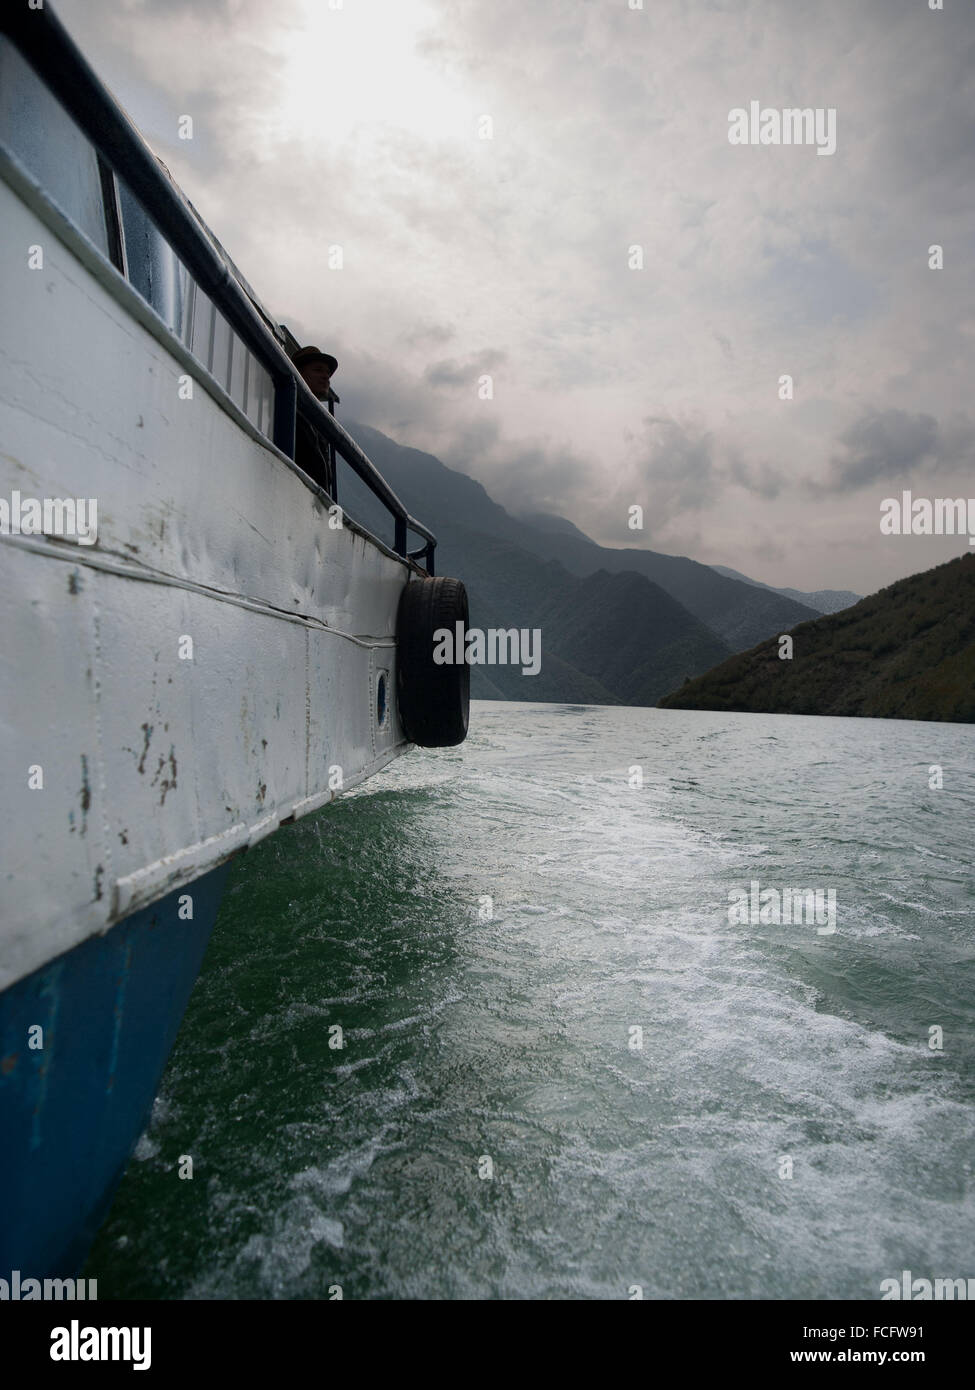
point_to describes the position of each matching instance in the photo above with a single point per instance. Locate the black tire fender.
(434, 700)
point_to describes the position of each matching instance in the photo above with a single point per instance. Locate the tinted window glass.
(40, 133)
(202, 334)
(238, 374)
(219, 363)
(153, 267)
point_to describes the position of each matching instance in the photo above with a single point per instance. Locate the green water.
(502, 1031)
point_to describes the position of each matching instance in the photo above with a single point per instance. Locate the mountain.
(626, 632)
(606, 638)
(907, 652)
(822, 600)
(508, 588)
(738, 614)
(548, 521)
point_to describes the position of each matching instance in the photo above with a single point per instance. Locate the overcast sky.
(362, 126)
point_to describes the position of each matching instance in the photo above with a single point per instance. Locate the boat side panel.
(129, 769)
(205, 670)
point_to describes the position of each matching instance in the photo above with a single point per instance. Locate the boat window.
(259, 408)
(45, 139)
(201, 326)
(38, 131)
(157, 273)
(237, 387)
(152, 264)
(223, 337)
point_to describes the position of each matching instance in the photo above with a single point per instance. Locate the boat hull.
(217, 656)
(75, 1096)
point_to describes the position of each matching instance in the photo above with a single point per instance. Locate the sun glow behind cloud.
(346, 70)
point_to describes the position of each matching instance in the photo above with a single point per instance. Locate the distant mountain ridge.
(907, 652)
(606, 639)
(619, 626)
(740, 614)
(822, 600)
(548, 521)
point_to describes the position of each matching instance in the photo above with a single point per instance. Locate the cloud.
(359, 127)
(678, 467)
(890, 445)
(387, 396)
(464, 373)
(759, 478)
(532, 475)
(436, 334)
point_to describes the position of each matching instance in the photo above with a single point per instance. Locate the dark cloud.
(457, 372)
(759, 478)
(432, 334)
(883, 446)
(468, 447)
(724, 343)
(528, 476)
(385, 395)
(674, 477)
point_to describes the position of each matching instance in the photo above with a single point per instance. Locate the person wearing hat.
(314, 455)
(317, 368)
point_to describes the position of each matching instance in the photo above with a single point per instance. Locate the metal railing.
(52, 53)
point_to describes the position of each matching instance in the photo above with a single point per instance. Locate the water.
(509, 1038)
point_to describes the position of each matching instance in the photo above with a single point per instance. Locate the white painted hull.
(156, 768)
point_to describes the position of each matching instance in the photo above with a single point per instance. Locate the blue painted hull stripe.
(71, 1112)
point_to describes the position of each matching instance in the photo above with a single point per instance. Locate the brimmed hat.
(313, 354)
